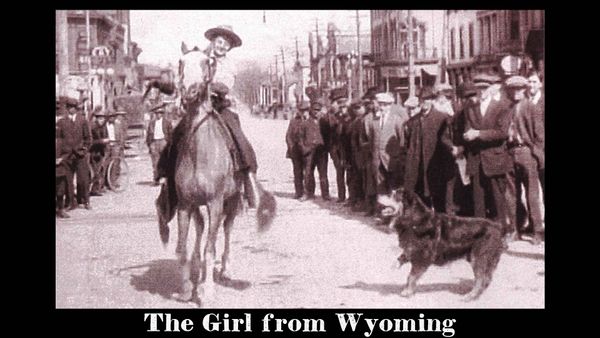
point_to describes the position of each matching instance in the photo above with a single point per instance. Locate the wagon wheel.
(117, 175)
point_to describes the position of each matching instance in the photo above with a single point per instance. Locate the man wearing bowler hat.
(157, 136)
(74, 131)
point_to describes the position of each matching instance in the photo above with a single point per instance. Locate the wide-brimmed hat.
(443, 88)
(317, 104)
(486, 80)
(303, 106)
(427, 93)
(158, 108)
(467, 89)
(338, 93)
(225, 31)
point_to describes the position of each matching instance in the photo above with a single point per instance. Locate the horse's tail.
(165, 210)
(266, 210)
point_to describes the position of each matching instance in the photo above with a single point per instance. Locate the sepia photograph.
(300, 159)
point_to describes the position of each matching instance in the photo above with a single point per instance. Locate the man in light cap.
(412, 105)
(526, 146)
(385, 134)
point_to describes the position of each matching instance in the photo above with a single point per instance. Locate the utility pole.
(297, 53)
(444, 47)
(411, 61)
(277, 75)
(62, 39)
(360, 64)
(284, 79)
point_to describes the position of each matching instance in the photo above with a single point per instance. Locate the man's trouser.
(98, 162)
(78, 168)
(525, 173)
(298, 170)
(61, 189)
(488, 193)
(156, 147)
(340, 173)
(319, 160)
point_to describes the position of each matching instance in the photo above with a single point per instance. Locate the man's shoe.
(536, 240)
(96, 193)
(341, 199)
(88, 206)
(326, 198)
(62, 214)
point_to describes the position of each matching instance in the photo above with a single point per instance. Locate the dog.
(427, 238)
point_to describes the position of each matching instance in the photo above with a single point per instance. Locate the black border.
(470, 322)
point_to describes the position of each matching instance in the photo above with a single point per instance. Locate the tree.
(248, 80)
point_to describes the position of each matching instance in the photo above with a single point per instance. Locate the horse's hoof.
(187, 294)
(469, 297)
(224, 275)
(406, 293)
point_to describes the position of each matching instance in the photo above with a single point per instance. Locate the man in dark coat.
(311, 140)
(526, 146)
(338, 111)
(98, 152)
(293, 139)
(320, 158)
(62, 169)
(359, 156)
(488, 160)
(428, 160)
(537, 97)
(74, 131)
(158, 136)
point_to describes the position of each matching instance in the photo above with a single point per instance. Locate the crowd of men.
(83, 143)
(466, 151)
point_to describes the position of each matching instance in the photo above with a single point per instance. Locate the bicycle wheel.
(90, 176)
(117, 174)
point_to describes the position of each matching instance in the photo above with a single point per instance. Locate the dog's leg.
(416, 272)
(486, 255)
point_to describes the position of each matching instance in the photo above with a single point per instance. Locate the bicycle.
(116, 175)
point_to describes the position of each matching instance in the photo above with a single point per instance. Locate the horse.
(205, 176)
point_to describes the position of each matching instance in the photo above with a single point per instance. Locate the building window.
(452, 52)
(514, 25)
(471, 40)
(481, 35)
(488, 25)
(462, 45)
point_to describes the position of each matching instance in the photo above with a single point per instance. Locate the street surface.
(316, 255)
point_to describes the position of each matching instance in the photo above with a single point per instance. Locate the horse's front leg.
(230, 210)
(183, 223)
(215, 210)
